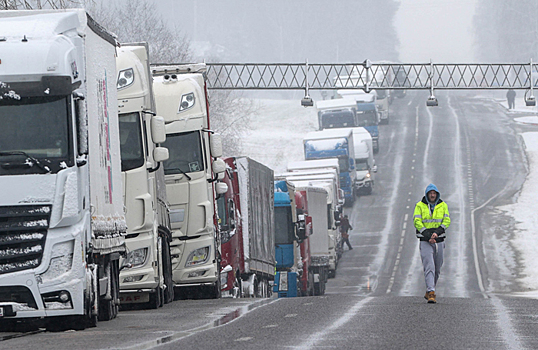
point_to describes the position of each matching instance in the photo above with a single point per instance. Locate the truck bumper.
(31, 297)
(36, 292)
(141, 279)
(203, 273)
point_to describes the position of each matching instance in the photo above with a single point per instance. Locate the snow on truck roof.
(40, 24)
(313, 164)
(337, 103)
(328, 134)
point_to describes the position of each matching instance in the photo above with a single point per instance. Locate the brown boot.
(426, 296)
(431, 297)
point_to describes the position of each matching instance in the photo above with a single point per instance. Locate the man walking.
(344, 228)
(431, 219)
(511, 97)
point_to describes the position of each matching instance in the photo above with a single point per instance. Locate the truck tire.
(332, 273)
(167, 272)
(155, 299)
(108, 309)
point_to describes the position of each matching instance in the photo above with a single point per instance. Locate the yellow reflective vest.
(424, 219)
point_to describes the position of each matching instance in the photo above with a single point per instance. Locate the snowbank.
(524, 213)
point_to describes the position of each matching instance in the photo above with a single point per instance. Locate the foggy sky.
(292, 31)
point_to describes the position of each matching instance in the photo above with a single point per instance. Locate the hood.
(428, 189)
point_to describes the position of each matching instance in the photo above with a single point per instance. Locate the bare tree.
(230, 116)
(138, 20)
(38, 4)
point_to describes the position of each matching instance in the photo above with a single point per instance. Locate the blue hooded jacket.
(432, 205)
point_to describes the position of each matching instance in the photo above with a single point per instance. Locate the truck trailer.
(63, 223)
(246, 219)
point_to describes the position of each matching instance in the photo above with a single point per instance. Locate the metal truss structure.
(367, 75)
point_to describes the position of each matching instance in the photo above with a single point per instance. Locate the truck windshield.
(185, 153)
(132, 149)
(381, 94)
(38, 126)
(361, 164)
(283, 226)
(343, 162)
(366, 118)
(337, 119)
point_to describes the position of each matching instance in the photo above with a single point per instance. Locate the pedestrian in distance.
(344, 228)
(511, 97)
(431, 219)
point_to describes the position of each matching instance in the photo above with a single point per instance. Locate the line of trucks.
(115, 193)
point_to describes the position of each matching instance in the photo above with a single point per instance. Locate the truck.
(336, 113)
(335, 143)
(247, 234)
(191, 173)
(293, 275)
(146, 272)
(368, 118)
(322, 165)
(63, 224)
(333, 210)
(383, 100)
(364, 161)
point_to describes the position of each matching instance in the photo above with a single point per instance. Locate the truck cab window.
(185, 151)
(132, 150)
(39, 126)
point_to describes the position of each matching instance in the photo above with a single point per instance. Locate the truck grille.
(23, 230)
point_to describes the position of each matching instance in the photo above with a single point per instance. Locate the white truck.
(146, 273)
(336, 113)
(62, 224)
(364, 161)
(333, 209)
(191, 173)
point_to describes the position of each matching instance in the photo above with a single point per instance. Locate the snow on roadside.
(524, 213)
(277, 133)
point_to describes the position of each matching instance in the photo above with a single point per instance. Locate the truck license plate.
(134, 298)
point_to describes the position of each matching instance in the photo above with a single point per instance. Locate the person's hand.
(432, 239)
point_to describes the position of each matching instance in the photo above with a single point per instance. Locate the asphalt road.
(470, 149)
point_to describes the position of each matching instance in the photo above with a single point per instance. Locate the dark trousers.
(346, 241)
(511, 104)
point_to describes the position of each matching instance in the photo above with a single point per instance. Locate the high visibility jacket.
(423, 218)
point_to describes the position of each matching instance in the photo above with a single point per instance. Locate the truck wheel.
(311, 285)
(332, 273)
(167, 272)
(155, 299)
(108, 309)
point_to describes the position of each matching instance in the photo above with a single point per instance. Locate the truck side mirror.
(82, 124)
(160, 154)
(216, 145)
(374, 168)
(158, 130)
(219, 166)
(301, 228)
(221, 188)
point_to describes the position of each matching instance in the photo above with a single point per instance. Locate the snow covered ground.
(277, 133)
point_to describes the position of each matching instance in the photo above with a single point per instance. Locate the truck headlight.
(197, 257)
(187, 101)
(368, 175)
(136, 257)
(125, 78)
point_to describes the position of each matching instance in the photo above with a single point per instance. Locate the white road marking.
(291, 315)
(244, 339)
(317, 337)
